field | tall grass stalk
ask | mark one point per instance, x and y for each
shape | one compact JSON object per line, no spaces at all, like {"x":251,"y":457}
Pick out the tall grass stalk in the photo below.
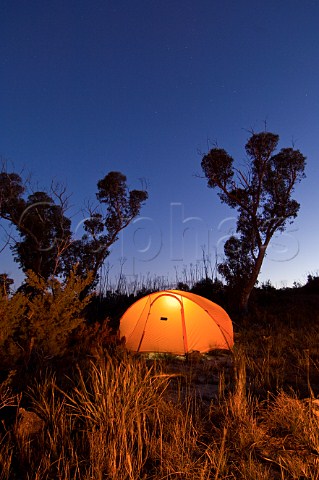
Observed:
{"x":125,"y":418}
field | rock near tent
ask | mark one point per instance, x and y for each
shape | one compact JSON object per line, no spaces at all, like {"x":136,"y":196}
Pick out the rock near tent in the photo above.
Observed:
{"x":178,"y":322}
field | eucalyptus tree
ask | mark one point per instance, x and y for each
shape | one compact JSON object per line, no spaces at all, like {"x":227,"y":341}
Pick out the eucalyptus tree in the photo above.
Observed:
{"x":42,"y":230}
{"x":117,"y":208}
{"x":43,"y":240}
{"x":262,"y":195}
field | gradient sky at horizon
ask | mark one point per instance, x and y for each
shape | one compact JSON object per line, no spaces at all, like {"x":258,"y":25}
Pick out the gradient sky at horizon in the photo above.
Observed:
{"x":143,"y":87}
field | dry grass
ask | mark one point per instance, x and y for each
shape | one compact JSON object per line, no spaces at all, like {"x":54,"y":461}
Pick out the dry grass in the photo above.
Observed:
{"x":127,"y":418}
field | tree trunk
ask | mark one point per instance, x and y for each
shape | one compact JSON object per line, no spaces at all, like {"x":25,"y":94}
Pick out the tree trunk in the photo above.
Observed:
{"x":251,"y":282}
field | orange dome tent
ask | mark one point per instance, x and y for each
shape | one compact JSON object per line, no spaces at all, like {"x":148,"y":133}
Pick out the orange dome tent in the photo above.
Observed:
{"x":175,"y":321}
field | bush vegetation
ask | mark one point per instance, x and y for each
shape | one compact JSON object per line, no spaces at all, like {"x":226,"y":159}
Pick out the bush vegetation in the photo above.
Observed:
{"x":75,"y":405}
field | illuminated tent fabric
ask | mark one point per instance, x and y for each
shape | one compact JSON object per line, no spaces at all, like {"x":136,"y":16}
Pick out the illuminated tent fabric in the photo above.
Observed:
{"x":175,"y":321}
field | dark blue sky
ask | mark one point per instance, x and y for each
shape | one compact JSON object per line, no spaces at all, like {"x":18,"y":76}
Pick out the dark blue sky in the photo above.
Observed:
{"x":142,"y":86}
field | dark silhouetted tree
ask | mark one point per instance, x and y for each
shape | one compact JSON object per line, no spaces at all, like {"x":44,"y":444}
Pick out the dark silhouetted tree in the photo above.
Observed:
{"x":46,"y":244}
{"x":312,"y":285}
{"x":118,"y":207}
{"x":44,"y":230}
{"x":45,"y":233}
{"x":262,"y":196}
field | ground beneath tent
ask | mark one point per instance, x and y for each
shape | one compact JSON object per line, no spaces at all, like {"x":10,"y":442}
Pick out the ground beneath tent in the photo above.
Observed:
{"x":205,"y":376}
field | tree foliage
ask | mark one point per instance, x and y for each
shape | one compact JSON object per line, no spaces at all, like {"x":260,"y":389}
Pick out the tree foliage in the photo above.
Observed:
{"x":118,"y":207}
{"x":262,"y":196}
{"x":44,"y":231}
{"x":45,"y":243}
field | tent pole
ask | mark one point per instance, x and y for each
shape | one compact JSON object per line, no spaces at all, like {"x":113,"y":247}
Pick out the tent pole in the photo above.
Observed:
{"x":148,"y":314}
{"x":184,"y":328}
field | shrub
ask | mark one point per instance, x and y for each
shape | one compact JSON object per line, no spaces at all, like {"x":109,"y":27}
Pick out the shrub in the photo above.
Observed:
{"x":42,"y":318}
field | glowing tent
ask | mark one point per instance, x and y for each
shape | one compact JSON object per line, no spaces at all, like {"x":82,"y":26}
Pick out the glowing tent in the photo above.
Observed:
{"x":175,"y":321}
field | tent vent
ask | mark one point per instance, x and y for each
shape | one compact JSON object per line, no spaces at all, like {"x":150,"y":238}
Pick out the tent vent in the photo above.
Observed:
{"x":164,"y":318}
